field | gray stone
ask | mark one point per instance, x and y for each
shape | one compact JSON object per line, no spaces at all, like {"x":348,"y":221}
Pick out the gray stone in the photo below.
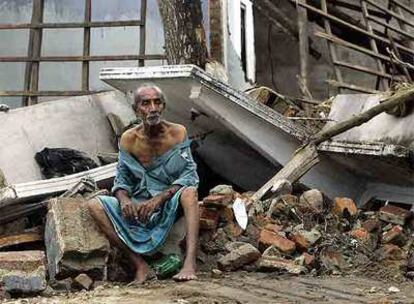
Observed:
{"x":269,"y":263}
{"x":74,"y":243}
{"x":17,"y":281}
{"x":82,"y":281}
{"x":241,"y":255}
{"x":313,"y":198}
{"x":222,"y":189}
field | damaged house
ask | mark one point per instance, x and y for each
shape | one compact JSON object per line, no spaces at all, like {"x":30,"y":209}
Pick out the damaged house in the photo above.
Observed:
{"x":255,"y":82}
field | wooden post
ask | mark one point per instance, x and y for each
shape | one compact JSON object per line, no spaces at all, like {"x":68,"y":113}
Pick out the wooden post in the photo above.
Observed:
{"x":142,"y":28}
{"x":303,"y":49}
{"x":31,"y":76}
{"x":86,"y":46}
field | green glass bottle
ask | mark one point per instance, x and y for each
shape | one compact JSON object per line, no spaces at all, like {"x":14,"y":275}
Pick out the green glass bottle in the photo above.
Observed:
{"x":167,"y":266}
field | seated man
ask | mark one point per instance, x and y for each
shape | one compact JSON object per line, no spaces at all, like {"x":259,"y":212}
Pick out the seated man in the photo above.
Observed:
{"x":156,"y":176}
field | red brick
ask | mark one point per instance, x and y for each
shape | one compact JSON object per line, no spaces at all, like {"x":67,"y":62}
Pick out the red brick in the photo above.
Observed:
{"x":372,"y":225}
{"x":394,"y":236}
{"x":300,"y":241}
{"x":342,"y":203}
{"x":394,"y":214}
{"x":268,"y":238}
{"x":208,"y":218}
{"x":360,"y":234}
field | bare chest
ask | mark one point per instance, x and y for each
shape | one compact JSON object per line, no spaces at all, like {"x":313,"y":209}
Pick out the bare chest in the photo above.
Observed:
{"x":146,"y":152}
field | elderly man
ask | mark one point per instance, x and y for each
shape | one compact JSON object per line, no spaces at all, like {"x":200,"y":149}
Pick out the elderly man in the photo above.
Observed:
{"x":156,"y":179}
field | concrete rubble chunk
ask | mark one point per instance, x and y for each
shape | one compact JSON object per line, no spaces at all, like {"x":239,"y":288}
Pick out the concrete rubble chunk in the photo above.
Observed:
{"x":393,"y":214}
{"x":313,"y":198}
{"x":241,"y":254}
{"x":23,"y":271}
{"x":74,"y":243}
{"x":209,"y":218}
{"x":222,"y":190}
{"x":269,"y":263}
{"x":82,"y":281}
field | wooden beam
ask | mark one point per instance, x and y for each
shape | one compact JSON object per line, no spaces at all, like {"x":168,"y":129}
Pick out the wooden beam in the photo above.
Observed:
{"x":352,"y":87}
{"x":49,"y":93}
{"x":393,"y":28}
{"x":142,"y":35}
{"x":403,"y":6}
{"x":20,"y":239}
{"x":391,"y":13}
{"x":86,"y":46}
{"x":361,"y":69}
{"x":63,"y":25}
{"x":83,"y":58}
{"x":36,"y":48}
{"x":303,"y":49}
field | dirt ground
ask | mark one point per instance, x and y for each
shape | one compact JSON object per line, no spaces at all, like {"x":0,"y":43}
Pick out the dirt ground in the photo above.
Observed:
{"x":242,"y":287}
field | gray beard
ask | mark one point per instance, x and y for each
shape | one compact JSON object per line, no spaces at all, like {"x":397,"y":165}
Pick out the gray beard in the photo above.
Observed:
{"x":153,"y":120}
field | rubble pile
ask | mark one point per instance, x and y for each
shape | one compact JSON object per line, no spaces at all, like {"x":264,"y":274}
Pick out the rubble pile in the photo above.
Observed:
{"x":307,"y":233}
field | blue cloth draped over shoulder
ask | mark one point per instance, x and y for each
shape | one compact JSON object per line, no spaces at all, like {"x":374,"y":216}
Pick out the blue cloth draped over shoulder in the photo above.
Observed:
{"x":175,"y":167}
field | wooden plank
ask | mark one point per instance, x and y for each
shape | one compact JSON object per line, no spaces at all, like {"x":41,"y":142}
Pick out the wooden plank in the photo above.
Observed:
{"x":36,"y":49}
{"x":63,"y":25}
{"x":362,"y":69}
{"x":299,"y":164}
{"x":84,"y":58}
{"x":332,"y":48}
{"x":352,"y":87}
{"x":86,"y":46}
{"x":142,"y":31}
{"x":49,"y":93}
{"x":20,"y":239}
{"x":373,"y":44}
{"x":403,"y":27}
{"x":350,"y":26}
{"x":389,"y":26}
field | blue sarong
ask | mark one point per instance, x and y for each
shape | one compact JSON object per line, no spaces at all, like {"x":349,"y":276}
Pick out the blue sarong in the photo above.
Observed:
{"x":175,"y":167}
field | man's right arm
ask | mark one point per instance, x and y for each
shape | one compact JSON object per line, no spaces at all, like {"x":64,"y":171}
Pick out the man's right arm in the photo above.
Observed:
{"x":125,"y":202}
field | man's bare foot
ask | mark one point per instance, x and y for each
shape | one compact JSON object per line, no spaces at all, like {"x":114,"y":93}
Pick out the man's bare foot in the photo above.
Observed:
{"x":185,"y":274}
{"x":143,"y":273}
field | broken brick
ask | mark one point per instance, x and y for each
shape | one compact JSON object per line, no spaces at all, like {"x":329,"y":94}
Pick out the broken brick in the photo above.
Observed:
{"x":341,"y":204}
{"x":240,"y":255}
{"x":332,"y":259}
{"x":208,"y":218}
{"x":360,"y":234}
{"x":394,"y":236}
{"x":393,"y":214}
{"x":372,"y":225}
{"x":233,"y":230}
{"x":23,"y":271}
{"x":273,"y":227}
{"x":391,"y":252}
{"x":300,"y":241}
{"x":268,"y":238}
{"x":309,"y":260}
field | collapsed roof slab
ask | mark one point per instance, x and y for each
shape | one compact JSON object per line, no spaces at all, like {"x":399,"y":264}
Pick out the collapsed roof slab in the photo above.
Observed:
{"x":238,"y":125}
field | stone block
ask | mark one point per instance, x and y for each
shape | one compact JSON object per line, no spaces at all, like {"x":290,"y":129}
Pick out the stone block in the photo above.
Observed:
{"x":278,"y":264}
{"x":82,"y":281}
{"x":74,"y":243}
{"x":268,"y":238}
{"x":393,"y":214}
{"x":23,"y":271}
{"x":394,"y":236}
{"x":208,"y":218}
{"x":241,"y":254}
{"x":312,"y":198}
{"x":341,"y":204}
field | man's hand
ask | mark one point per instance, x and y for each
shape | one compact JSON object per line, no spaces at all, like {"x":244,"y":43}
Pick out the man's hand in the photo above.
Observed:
{"x":144,"y":210}
{"x":128,"y":209}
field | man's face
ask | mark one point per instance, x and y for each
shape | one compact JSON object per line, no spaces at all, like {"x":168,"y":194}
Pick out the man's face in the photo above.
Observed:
{"x":150,"y":107}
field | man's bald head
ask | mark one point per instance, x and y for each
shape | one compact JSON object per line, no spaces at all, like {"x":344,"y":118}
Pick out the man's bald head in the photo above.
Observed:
{"x":141,"y":89}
